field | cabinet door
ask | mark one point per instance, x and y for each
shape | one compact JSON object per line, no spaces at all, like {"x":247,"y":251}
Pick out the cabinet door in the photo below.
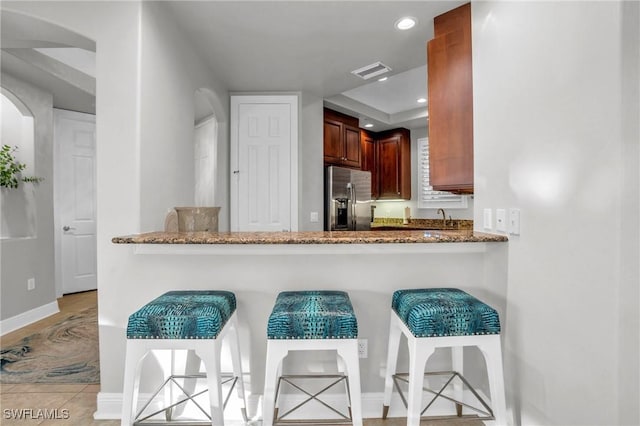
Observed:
{"x":333,"y":147}
{"x":389,"y":167}
{"x":451,"y":103}
{"x":351,"y":146}
{"x":394,"y":164}
{"x":368,"y":152}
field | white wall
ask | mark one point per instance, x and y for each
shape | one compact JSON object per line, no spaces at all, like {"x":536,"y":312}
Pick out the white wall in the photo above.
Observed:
{"x":27,"y":214}
{"x":629,"y":294}
{"x":115,"y":26}
{"x":551,"y":83}
{"x":171,"y":72}
{"x":311,"y":163}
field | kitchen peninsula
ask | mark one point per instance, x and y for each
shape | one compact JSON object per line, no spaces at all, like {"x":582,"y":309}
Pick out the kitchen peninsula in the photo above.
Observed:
{"x":369,"y":265}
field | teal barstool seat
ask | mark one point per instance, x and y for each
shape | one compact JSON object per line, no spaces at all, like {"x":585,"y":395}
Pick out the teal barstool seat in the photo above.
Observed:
{"x":433,"y":318}
{"x":312,"y":315}
{"x":312,"y":320}
{"x":435,"y":312}
{"x":195,"y":320}
{"x":183,"y":315}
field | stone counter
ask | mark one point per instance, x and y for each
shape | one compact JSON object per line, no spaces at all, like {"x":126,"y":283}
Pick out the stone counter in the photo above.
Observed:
{"x":336,"y":237}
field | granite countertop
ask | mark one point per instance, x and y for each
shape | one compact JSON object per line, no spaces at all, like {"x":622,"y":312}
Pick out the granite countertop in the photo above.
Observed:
{"x":421,"y":224}
{"x":336,"y":237}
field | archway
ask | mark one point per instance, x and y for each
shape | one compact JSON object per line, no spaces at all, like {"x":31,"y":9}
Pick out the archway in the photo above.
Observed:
{"x":17,"y":131}
{"x":205,"y":146}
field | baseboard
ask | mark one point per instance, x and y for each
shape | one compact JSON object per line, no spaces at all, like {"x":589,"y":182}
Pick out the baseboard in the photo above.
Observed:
{"x":110,"y":406}
{"x":21,"y":320}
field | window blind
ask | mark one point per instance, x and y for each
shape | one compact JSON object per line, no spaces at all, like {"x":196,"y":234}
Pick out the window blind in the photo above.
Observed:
{"x":427,"y":197}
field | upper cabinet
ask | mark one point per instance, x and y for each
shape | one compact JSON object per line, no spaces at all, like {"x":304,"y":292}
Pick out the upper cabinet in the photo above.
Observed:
{"x":449,"y":74}
{"x":370,"y":159}
{"x":394,"y":164}
{"x":341,"y":140}
{"x":387,"y":155}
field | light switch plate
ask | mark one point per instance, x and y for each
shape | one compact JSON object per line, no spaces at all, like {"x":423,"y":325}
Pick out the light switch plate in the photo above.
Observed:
{"x":501,"y":220}
{"x":488,"y":219}
{"x":514,"y":221}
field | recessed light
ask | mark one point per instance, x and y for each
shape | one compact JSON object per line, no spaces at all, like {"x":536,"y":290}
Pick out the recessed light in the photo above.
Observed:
{"x":383,"y":79}
{"x":421,"y":100}
{"x":406,"y":23}
{"x":368,"y":125}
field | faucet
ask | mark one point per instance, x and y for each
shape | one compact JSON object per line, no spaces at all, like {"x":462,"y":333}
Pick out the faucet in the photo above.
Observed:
{"x":444,"y":218}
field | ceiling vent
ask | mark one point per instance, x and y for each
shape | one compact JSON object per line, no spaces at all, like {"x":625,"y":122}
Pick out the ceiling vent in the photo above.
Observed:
{"x":371,"y":70}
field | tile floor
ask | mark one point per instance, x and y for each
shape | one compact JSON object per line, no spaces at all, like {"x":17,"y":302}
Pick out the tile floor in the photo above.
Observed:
{"x":80,"y":399}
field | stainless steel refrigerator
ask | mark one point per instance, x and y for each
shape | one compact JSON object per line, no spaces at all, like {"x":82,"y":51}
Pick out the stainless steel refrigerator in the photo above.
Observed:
{"x":347,"y":199}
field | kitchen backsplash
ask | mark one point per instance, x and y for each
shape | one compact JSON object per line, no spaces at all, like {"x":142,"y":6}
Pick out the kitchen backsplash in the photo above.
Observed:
{"x":426,"y":223}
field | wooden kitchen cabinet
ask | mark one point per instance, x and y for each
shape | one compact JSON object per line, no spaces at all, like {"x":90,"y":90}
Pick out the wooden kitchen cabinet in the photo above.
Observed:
{"x":341,"y":140}
{"x":369,"y":159}
{"x":387,"y":155}
{"x":394,"y":164}
{"x":449,"y":73}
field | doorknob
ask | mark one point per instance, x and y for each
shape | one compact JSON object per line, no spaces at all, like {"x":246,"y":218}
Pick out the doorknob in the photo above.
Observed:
{"x":67,"y":228}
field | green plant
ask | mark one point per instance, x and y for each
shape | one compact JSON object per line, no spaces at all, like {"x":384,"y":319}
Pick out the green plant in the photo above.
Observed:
{"x":10,"y":169}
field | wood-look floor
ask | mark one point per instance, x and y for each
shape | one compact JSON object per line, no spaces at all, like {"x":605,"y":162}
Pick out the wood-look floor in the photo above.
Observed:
{"x":79,"y":399}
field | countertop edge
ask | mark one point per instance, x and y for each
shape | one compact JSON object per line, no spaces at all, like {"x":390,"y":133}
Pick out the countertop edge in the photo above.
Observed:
{"x":309,"y":238}
{"x":306,"y":249}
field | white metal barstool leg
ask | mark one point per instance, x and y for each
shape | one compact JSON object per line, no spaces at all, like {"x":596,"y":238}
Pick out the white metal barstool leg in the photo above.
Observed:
{"x":342,"y":369}
{"x":136,"y":353}
{"x":392,"y":360}
{"x":211,"y":359}
{"x":276,"y":352}
{"x":349,"y":354}
{"x":457,"y":364}
{"x":236,"y":361}
{"x":491,"y":349}
{"x":419,"y":353}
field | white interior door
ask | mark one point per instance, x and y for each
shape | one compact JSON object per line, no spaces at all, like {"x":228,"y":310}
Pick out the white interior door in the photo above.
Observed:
{"x":75,"y":140}
{"x":264,"y":174}
{"x":205,"y":141}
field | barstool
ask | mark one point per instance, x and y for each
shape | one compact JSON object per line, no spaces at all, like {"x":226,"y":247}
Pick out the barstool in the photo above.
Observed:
{"x":437,"y":318}
{"x":192,"y":320}
{"x":312,"y":321}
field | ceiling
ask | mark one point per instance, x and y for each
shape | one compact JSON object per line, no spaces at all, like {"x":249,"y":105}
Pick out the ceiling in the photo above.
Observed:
{"x":306,"y":46}
{"x":312,"y":46}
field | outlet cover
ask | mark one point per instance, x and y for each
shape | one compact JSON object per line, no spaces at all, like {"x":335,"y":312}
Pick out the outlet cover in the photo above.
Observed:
{"x":514,"y":221}
{"x":501,"y":220}
{"x":313,"y":217}
{"x":363,"y":350}
{"x":488,"y":219}
{"x":31,"y":284}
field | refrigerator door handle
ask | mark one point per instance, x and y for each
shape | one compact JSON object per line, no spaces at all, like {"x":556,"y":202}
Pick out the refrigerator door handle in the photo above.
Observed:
{"x":354,"y":197}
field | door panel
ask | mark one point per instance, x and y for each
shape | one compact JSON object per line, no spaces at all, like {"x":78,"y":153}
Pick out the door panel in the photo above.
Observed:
{"x":352,"y":146}
{"x":333,"y":149}
{"x":389,"y":168}
{"x":264,"y":179}
{"x":75,"y":201}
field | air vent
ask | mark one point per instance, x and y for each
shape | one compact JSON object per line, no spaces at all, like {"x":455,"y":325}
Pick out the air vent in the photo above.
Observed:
{"x":371,"y":70}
